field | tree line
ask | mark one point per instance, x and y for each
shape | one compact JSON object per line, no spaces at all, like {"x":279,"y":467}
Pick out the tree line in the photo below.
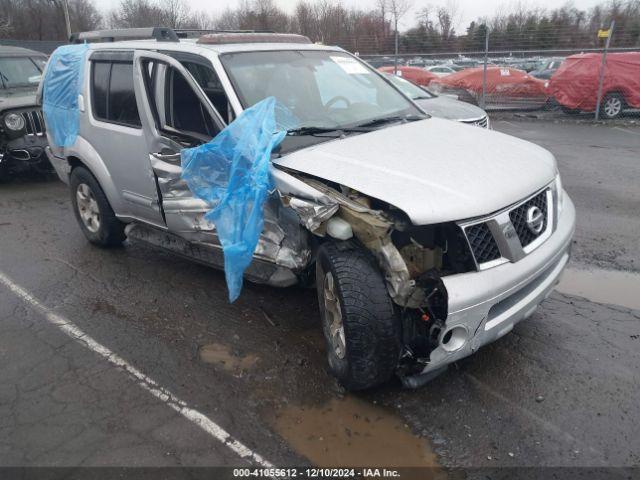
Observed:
{"x":368,"y":31}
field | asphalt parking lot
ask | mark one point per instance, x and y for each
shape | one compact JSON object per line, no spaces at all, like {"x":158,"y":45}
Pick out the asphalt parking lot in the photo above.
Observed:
{"x":132,"y":357}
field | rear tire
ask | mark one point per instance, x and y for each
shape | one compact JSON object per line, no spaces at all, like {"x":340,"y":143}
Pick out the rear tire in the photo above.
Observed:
{"x":363,"y":346}
{"x":612,"y":105}
{"x":92,"y":210}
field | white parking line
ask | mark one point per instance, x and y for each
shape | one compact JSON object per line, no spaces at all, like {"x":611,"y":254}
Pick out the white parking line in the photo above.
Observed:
{"x":626,"y":130}
{"x":164,"y":395}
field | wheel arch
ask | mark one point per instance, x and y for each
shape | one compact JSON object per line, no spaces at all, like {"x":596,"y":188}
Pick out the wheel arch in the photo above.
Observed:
{"x":619,"y":90}
{"x":82,"y":154}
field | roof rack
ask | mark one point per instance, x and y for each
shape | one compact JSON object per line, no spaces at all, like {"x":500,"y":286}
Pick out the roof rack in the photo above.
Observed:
{"x":165,"y":34}
{"x":161,"y":34}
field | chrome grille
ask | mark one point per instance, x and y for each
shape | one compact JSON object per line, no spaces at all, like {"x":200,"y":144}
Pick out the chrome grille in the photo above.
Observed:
{"x":34,"y":122}
{"x":505,"y":236}
{"x":482,"y":243}
{"x":478,"y":123}
{"x":518,"y":217}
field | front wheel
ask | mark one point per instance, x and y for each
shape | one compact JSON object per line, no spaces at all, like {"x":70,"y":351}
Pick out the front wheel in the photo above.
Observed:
{"x":359,"y":322}
{"x":92,"y":210}
{"x":612,"y":105}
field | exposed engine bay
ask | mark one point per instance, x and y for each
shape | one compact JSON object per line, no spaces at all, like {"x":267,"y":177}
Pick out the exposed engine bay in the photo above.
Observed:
{"x":412,"y":258}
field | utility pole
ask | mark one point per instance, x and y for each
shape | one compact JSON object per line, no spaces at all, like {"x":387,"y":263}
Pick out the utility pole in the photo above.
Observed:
{"x":395,"y":58}
{"x":483,"y":102}
{"x":64,"y":4}
{"x":603,"y":67}
{"x":67,"y":21}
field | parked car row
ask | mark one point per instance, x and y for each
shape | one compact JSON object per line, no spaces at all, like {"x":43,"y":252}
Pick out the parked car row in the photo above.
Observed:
{"x":571,"y":83}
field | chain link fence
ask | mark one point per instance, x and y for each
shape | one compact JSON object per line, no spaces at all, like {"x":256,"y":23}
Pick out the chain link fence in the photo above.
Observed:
{"x":522,"y":70}
{"x":598,"y":79}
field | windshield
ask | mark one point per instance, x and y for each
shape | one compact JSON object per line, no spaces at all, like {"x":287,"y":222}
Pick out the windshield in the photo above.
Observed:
{"x":19,"y":72}
{"x":324,"y":89}
{"x":409,"y":89}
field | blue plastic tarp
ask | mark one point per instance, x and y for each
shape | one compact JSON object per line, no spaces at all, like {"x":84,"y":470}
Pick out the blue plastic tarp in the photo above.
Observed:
{"x":231,"y":173}
{"x":61,"y":87}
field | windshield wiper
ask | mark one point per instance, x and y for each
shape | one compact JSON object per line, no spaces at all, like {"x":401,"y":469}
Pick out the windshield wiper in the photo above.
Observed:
{"x":391,"y":119}
{"x":339,"y":131}
{"x":313,"y":130}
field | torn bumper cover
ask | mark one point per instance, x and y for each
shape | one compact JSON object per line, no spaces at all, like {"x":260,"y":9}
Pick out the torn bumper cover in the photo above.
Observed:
{"x":485,"y":305}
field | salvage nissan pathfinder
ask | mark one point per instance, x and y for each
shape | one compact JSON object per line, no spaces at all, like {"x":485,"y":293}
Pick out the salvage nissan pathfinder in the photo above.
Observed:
{"x":425,"y":238}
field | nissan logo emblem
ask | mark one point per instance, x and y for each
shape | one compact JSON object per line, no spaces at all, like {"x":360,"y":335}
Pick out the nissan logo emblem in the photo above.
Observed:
{"x":535,"y":220}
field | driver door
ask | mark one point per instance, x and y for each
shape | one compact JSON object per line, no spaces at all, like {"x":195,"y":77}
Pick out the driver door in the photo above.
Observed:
{"x":175,"y":113}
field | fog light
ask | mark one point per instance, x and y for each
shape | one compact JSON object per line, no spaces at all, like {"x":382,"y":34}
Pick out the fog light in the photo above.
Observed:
{"x":454,"y":338}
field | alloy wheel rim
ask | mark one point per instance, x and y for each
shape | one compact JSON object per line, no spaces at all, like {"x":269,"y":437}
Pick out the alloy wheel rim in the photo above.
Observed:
{"x":613,"y":106}
{"x":333,"y":315}
{"x":88,"y":208}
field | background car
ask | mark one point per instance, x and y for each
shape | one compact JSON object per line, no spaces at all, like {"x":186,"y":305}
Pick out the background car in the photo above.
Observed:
{"x":441,"y":70}
{"x":506,"y":88}
{"x":417,"y":75}
{"x":22,"y":130}
{"x":441,"y":106}
{"x":575,"y":83}
{"x":547,"y":67}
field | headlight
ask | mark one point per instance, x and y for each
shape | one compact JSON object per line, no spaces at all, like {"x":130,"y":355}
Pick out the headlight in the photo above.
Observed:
{"x":559,"y":192}
{"x":14,"y":122}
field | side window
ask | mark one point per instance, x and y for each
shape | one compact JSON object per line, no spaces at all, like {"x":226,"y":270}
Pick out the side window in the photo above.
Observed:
{"x":210,"y":83}
{"x":113,"y":94}
{"x":178,"y":111}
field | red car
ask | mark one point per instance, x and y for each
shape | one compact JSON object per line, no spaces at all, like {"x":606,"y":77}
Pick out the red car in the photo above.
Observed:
{"x":575,"y":83}
{"x":416,"y":75}
{"x":506,"y":87}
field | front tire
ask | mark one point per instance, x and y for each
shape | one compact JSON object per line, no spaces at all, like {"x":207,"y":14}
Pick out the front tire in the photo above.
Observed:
{"x":92,"y":210}
{"x":360,"y":326}
{"x":612,"y":105}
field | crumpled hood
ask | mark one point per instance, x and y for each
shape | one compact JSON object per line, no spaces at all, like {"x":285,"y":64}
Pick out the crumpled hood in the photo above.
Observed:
{"x":450,"y":108}
{"x":17,"y":98}
{"x":434,"y":170}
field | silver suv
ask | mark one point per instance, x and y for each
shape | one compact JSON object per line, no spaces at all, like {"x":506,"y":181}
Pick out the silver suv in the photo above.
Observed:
{"x":425,"y":238}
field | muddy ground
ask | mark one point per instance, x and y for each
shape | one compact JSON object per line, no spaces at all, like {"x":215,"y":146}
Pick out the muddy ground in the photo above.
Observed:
{"x":561,"y":390}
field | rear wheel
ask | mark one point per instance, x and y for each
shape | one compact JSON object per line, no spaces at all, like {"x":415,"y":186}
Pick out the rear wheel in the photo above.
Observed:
{"x":92,"y":210}
{"x":359,"y":322}
{"x":612,"y":105}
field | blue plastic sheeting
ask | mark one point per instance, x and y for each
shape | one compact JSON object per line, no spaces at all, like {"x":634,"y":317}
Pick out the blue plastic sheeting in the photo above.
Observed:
{"x":62,"y":85}
{"x":231,"y":173}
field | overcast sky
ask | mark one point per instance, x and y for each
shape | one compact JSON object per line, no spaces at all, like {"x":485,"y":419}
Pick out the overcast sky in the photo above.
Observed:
{"x":468,"y":10}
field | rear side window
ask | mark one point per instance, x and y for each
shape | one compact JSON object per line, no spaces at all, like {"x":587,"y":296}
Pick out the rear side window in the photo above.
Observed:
{"x":113,"y":95}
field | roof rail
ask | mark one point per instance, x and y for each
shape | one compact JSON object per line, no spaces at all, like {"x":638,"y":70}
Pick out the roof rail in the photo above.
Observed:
{"x":220,"y":38}
{"x":192,"y":32}
{"x":161,"y":34}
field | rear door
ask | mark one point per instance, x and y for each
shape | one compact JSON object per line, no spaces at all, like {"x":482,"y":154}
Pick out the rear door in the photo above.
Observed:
{"x":175,"y":113}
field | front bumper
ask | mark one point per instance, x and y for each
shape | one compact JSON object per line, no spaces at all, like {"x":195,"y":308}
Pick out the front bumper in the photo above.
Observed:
{"x":485,"y":305}
{"x":23,"y":153}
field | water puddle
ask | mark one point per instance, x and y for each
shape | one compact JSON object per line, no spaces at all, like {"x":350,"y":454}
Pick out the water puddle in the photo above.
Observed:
{"x":352,"y":432}
{"x":603,"y":286}
{"x":222,"y":356}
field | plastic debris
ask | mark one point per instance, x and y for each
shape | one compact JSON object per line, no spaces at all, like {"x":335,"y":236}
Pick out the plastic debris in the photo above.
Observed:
{"x":61,"y":87}
{"x":231,"y":173}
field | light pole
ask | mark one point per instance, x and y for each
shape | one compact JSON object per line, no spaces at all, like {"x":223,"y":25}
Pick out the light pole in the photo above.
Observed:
{"x":65,"y":10}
